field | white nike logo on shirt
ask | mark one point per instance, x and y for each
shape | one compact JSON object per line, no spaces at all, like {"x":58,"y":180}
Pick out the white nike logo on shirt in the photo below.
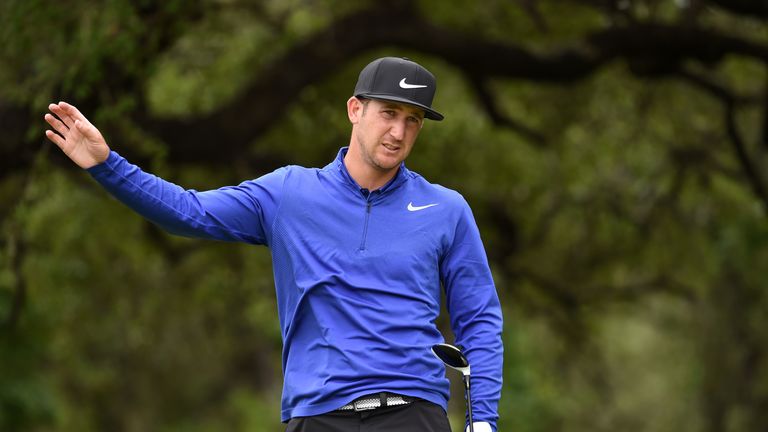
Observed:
{"x":405,"y":85}
{"x":412,"y":207}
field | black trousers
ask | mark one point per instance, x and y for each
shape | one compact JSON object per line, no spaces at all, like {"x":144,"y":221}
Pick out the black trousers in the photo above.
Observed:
{"x":418,"y":416}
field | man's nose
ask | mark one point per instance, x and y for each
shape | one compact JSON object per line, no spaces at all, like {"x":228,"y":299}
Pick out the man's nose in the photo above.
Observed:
{"x":397,"y":130}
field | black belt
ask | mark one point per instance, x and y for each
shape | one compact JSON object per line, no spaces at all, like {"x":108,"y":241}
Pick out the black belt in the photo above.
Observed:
{"x":374,"y":401}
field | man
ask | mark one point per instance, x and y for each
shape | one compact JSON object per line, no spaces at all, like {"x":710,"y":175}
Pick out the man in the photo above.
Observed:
{"x":360,"y":249}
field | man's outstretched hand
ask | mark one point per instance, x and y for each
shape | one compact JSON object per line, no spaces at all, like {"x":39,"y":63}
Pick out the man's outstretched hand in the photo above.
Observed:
{"x":77,"y":137}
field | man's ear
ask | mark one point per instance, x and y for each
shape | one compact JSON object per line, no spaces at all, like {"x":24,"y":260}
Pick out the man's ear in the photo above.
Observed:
{"x":354,"y":109}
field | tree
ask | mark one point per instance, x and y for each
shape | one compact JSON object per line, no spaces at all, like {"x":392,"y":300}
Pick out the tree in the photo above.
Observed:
{"x":611,"y":149}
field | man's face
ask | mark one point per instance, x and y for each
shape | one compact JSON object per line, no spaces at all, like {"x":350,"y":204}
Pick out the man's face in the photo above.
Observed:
{"x":385,"y":131}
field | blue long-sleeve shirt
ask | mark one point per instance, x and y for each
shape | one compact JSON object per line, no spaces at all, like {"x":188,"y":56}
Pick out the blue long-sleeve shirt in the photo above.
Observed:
{"x":357,"y":276}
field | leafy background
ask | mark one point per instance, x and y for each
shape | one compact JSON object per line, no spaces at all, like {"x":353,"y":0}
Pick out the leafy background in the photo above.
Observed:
{"x":613,"y":153}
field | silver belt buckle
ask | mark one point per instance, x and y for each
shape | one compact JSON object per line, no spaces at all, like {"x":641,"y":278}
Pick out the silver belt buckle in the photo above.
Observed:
{"x":365,"y":404}
{"x":372,"y":403}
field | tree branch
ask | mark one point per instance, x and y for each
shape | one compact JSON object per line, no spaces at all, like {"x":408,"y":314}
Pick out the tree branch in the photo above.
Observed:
{"x":755,"y":180}
{"x":225,"y":134}
{"x":754,"y":8}
{"x":764,"y":133}
{"x":649,"y":49}
{"x":488,"y":101}
{"x":571,"y":297}
{"x":730,"y":103}
{"x":716,"y":89}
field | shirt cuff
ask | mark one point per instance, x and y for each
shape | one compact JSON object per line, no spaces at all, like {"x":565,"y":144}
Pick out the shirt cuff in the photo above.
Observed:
{"x":104,"y":166}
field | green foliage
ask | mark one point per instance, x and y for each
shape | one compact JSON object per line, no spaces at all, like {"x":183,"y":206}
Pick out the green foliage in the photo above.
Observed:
{"x":119,"y":322}
{"x":627,"y":246}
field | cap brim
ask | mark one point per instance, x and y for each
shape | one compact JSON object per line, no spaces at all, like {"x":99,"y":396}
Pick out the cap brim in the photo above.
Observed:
{"x":428,"y":112}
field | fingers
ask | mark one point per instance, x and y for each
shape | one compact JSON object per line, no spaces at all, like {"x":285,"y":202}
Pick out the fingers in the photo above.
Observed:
{"x":68,"y":114}
{"x":57,"y":124}
{"x":88,"y":130}
{"x":73,"y":112}
{"x":84,"y":129}
{"x":55,"y":138}
{"x":57,"y":109}
{"x":69,"y":123}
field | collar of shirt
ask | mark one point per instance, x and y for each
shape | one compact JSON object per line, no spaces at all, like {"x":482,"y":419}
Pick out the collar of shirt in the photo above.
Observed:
{"x":341,"y":170}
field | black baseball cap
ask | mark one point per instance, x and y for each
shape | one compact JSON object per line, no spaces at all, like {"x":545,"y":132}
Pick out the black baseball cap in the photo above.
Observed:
{"x":399,"y":80}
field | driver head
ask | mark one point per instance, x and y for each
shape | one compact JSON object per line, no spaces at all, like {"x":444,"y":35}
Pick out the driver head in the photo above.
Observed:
{"x":452,"y":357}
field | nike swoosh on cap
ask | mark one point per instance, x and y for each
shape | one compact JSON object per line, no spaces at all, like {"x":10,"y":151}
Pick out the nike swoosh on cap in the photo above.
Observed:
{"x":405,"y":85}
{"x":412,"y":207}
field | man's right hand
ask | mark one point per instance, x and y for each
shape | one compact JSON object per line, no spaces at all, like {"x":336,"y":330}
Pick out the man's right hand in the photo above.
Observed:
{"x":77,"y":137}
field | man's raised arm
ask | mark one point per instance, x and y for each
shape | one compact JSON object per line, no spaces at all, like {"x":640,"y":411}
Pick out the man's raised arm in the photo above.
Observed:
{"x":237,"y":213}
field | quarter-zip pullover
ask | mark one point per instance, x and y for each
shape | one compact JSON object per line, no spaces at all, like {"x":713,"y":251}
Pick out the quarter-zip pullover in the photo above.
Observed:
{"x":358,"y":276}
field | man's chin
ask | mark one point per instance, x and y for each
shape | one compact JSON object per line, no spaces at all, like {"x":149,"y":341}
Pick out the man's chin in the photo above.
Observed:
{"x":388,"y":164}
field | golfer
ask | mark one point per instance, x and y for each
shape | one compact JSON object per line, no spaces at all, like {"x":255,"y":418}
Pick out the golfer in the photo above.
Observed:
{"x":361,"y":250}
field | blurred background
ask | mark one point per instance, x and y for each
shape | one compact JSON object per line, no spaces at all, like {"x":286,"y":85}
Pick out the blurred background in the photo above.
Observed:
{"x":614,"y":154}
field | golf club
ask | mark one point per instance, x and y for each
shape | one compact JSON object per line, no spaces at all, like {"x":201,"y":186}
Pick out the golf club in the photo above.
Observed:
{"x":455,"y":359}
